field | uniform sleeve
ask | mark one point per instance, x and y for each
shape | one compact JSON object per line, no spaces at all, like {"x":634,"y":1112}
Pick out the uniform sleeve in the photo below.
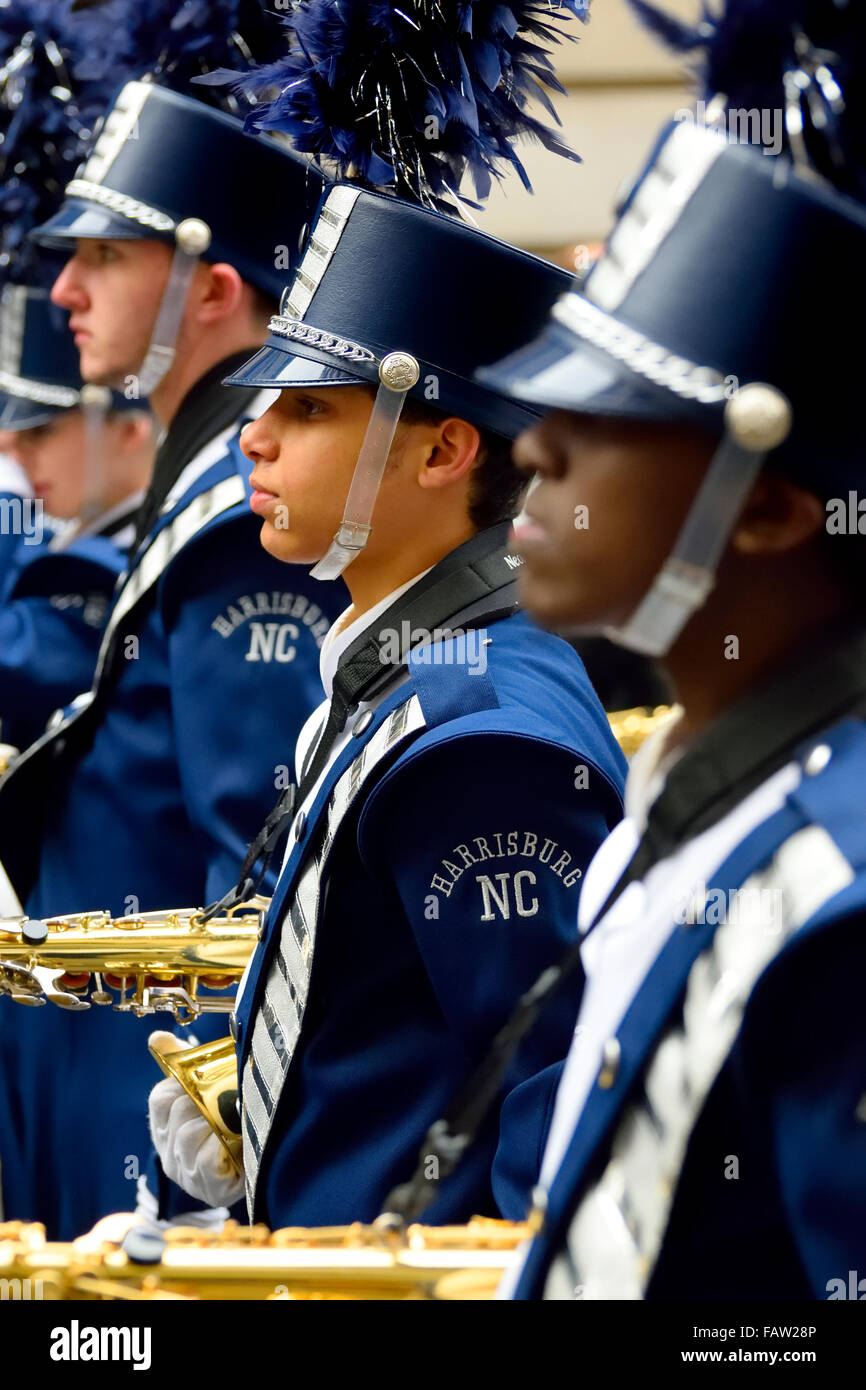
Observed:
{"x":805,"y":1069}
{"x":48,"y":651}
{"x":486,"y":839}
{"x":243,"y":634}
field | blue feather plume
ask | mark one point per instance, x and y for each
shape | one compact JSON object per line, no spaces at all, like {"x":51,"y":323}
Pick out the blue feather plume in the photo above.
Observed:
{"x":44,"y":127}
{"x":412,"y":96}
{"x":61,"y":65}
{"x":803,"y":58}
{"x":177,"y":41}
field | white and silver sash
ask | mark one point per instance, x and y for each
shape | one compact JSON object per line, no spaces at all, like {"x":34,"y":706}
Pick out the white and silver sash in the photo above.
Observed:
{"x":278,"y":1022}
{"x":617,"y":1231}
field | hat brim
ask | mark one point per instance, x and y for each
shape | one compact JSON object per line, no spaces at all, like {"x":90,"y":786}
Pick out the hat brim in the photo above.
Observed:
{"x":558,"y":371}
{"x":283,"y":369}
{"x":280,"y":367}
{"x":17,"y":413}
{"x":79,"y":220}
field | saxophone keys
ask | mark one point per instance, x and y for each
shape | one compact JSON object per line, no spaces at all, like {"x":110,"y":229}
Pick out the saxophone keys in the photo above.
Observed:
{"x":99,"y":994}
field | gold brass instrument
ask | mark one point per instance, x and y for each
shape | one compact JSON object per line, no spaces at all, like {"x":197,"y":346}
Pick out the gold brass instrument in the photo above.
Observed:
{"x":209,"y":1075}
{"x":630,"y":727}
{"x":159,"y":961}
{"x":242,"y":1262}
{"x":155,"y":961}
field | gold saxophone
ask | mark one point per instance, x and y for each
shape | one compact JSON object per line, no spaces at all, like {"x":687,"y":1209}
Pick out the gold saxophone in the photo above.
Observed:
{"x":151,"y":963}
{"x":380,"y":1261}
{"x":160,"y":961}
{"x":631,"y":727}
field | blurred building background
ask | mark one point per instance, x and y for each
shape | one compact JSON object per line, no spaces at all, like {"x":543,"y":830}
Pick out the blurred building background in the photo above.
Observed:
{"x":621,"y":87}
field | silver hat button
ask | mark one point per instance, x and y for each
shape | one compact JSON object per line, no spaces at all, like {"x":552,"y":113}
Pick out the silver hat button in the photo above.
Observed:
{"x":817,"y":759}
{"x":361,"y":723}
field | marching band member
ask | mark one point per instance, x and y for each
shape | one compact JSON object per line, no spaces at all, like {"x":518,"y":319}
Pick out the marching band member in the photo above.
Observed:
{"x":709,"y":1134}
{"x":461,"y":771}
{"x":57,"y":589}
{"x":146,"y":792}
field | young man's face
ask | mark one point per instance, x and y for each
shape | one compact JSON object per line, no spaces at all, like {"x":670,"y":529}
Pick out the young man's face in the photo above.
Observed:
{"x":52,"y":455}
{"x":609,"y":500}
{"x":304,"y":450}
{"x":113,"y":289}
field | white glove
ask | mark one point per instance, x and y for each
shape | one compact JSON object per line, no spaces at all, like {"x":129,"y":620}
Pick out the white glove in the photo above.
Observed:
{"x":190,"y":1152}
{"x":147,"y":1214}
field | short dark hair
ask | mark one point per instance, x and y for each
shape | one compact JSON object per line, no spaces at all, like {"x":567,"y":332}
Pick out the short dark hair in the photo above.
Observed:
{"x":843,"y":555}
{"x":845,"y":558}
{"x":497,"y":486}
{"x":264,"y":304}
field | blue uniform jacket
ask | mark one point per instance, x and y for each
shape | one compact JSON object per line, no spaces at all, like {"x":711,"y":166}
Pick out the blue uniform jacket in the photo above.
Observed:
{"x":52,"y":612}
{"x":789,"y":1100}
{"x":218,"y":669}
{"x":453,"y":881}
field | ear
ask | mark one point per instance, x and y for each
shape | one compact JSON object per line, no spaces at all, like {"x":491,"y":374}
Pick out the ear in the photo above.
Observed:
{"x":778,"y":516}
{"x":219,"y":292}
{"x":135,"y":430}
{"x":450,"y":450}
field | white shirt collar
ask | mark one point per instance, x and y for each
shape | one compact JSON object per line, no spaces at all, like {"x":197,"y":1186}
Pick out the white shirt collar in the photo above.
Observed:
{"x":128,"y":506}
{"x":343,"y":634}
{"x":649,"y":768}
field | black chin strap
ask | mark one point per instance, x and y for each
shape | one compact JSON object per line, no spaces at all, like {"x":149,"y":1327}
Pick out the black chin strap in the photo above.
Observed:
{"x":473,"y":585}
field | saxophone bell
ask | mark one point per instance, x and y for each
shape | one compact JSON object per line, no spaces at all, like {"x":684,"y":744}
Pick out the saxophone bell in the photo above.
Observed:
{"x":209,"y":1076}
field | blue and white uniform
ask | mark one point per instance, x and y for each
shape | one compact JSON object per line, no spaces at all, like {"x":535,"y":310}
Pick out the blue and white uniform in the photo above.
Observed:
{"x":146,"y":795}
{"x":433,"y":869}
{"x":709,"y":1134}
{"x":54,"y":602}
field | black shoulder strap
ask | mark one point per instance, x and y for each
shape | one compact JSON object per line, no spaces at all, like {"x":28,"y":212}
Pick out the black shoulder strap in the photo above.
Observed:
{"x":758,"y":735}
{"x":206,"y":410}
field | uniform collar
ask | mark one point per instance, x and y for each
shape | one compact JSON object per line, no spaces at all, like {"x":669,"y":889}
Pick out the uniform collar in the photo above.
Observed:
{"x":205,"y":411}
{"x":649,"y":768}
{"x":112,"y":522}
{"x":821,"y":683}
{"x":344,"y":631}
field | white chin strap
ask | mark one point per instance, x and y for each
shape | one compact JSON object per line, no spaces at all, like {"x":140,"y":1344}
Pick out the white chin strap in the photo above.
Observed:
{"x":398,"y":373}
{"x":758,"y":418}
{"x":95,"y":405}
{"x":192,"y":238}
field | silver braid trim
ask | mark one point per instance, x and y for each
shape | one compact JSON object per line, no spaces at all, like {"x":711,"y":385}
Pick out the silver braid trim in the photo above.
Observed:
{"x":38,"y":391}
{"x":318,"y":338}
{"x":109,"y":198}
{"x":639,"y":353}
